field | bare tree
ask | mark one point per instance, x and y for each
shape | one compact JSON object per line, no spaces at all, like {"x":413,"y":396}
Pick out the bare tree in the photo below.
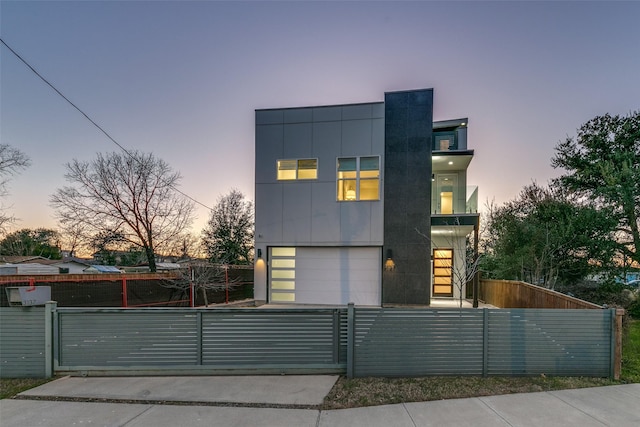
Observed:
{"x":186,"y":246}
{"x":12,"y":162}
{"x":203,"y":277}
{"x":228,"y":237}
{"x":74,"y":238}
{"x":131,"y":195}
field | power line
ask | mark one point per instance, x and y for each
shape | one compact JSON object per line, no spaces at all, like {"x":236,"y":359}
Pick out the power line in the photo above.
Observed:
{"x":89,"y":118}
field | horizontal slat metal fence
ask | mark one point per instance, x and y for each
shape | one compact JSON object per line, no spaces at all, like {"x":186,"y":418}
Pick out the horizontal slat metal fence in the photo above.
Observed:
{"x":357,"y":341}
{"x":182,"y":340}
{"x":418,"y":342}
{"x":22,"y":342}
{"x":263,"y":338}
{"x":547,"y":341}
{"x":123,"y":338}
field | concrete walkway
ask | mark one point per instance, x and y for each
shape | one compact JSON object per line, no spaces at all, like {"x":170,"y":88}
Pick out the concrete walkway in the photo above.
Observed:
{"x":264,"y":401}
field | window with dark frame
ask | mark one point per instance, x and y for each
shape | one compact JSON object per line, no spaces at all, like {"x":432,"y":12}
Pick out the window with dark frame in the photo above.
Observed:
{"x":358,"y":178}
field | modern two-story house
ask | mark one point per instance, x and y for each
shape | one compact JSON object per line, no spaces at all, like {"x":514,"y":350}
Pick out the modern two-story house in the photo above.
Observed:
{"x":364,"y":203}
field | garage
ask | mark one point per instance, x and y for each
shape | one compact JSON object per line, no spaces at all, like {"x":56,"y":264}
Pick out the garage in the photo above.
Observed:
{"x":320,"y":275}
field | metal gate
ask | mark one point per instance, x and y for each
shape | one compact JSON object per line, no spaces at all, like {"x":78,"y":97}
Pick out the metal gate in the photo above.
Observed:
{"x":182,"y":341}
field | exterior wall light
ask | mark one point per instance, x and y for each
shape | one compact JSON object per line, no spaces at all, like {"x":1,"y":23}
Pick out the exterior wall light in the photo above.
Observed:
{"x":259,"y":253}
{"x":389,"y":265}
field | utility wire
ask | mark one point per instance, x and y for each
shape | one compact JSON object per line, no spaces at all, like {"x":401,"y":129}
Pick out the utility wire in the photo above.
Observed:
{"x":89,"y":118}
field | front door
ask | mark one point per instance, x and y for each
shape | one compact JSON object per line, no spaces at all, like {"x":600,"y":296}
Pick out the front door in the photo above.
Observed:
{"x":443,"y":272}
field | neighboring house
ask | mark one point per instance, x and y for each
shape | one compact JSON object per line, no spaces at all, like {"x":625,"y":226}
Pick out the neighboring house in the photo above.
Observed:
{"x":72,"y":266}
{"x":102,"y":269}
{"x":19,"y":259}
{"x":355,"y":203}
{"x":163,"y":266}
{"x":30,"y":268}
{"x":27,"y":265}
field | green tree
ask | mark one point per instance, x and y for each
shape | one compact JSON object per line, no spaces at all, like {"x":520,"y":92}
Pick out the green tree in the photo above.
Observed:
{"x":27,"y":242}
{"x":131,"y":195}
{"x":228,"y":236}
{"x":546,"y":238}
{"x":603,"y":165}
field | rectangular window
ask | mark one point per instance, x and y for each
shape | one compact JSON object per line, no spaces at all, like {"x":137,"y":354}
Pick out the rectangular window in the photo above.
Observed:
{"x":295,"y":169}
{"x":358,"y":178}
{"x":282,"y":275}
{"x":444,"y":141}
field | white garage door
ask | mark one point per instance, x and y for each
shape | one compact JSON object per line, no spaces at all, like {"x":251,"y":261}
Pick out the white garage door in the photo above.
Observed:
{"x":325,"y":275}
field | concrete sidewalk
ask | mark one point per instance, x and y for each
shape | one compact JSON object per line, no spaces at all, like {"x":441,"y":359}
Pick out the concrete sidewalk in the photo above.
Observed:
{"x":262,"y":401}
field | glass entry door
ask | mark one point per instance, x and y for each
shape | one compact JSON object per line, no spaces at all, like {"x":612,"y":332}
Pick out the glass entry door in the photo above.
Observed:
{"x":443,"y":272}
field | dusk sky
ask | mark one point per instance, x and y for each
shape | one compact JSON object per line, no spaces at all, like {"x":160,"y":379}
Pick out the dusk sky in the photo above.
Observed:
{"x":182,"y":80}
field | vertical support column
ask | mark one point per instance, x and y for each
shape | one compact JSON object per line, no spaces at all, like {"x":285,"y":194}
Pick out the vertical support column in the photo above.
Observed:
{"x":351,"y":332}
{"x":407,"y":196}
{"x":485,"y":342}
{"x":476,"y":276}
{"x":49,"y":312}
{"x":125,"y":301}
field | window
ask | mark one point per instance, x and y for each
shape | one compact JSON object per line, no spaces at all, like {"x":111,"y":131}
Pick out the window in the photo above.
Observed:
{"x":444,"y":141}
{"x":358,"y":178}
{"x":295,"y":169}
{"x":283,"y":275}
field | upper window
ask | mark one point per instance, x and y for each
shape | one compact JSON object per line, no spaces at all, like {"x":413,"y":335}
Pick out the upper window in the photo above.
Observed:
{"x":444,"y":141}
{"x":297,"y":169}
{"x":358,"y":178}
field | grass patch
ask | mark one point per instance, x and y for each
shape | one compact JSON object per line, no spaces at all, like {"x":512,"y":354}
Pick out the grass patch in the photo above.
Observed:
{"x":631,"y":353}
{"x":9,"y":387}
{"x":351,"y":393}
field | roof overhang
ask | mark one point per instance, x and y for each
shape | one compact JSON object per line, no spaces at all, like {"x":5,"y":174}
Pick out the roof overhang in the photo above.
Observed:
{"x":444,"y":124}
{"x":443,"y":161}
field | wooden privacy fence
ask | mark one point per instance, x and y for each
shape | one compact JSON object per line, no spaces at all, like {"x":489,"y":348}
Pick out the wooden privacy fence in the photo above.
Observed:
{"x":515,"y":294}
{"x":355,"y":341}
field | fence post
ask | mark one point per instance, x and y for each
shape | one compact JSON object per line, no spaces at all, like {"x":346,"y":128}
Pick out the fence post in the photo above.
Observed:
{"x":49,"y":310}
{"x":226,"y":282}
{"x":125,"y":301}
{"x":485,"y":342}
{"x":192,"y":293}
{"x":618,"y":314}
{"x":336,"y":335}
{"x":199,"y":333}
{"x":350,"y":339}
